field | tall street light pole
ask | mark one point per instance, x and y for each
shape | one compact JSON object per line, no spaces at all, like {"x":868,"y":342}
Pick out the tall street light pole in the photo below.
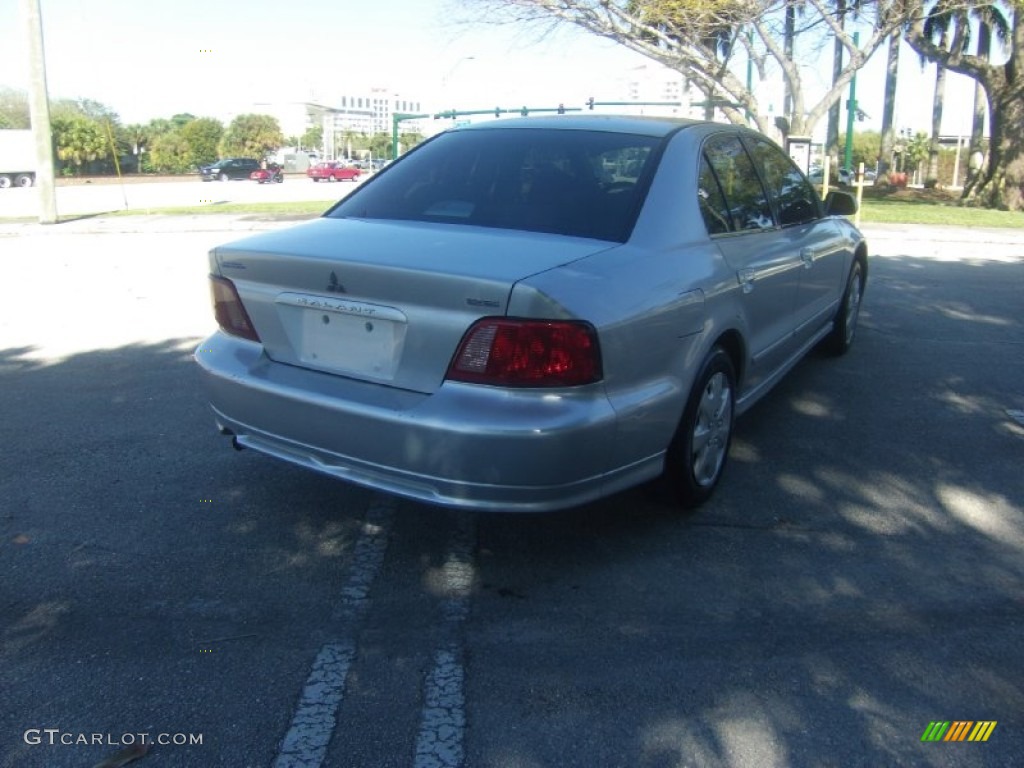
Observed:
{"x":39,"y":112}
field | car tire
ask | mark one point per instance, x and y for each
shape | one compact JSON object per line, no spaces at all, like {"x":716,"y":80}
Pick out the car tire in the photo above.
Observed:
{"x":697,"y":456}
{"x":23,"y":180}
{"x":844,"y":327}
{"x":5,"y":182}
{"x":223,"y":177}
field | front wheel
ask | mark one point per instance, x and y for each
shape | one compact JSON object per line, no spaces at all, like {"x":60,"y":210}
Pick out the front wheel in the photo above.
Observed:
{"x":223,"y":177}
{"x":696,"y":458}
{"x":844,"y":328}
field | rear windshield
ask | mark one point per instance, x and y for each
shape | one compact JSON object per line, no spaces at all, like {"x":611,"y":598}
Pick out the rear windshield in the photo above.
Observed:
{"x":566,"y":182}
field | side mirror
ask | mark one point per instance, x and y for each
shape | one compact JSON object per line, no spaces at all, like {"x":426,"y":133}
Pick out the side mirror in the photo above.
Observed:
{"x":839,"y":203}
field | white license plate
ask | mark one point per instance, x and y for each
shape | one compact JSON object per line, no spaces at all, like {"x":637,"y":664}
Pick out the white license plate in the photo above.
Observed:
{"x":345,"y":336}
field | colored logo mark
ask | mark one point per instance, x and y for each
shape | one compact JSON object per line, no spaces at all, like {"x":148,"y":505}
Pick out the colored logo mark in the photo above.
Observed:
{"x":959,"y":730}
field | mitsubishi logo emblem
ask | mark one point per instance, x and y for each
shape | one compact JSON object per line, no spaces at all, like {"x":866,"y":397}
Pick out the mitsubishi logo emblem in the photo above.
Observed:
{"x":333,"y":286}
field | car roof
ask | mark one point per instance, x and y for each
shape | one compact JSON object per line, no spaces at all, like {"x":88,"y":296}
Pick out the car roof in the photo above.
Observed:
{"x":646,"y":126}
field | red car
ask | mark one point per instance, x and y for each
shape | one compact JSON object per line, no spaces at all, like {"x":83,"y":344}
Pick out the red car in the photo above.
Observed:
{"x":333,"y":172}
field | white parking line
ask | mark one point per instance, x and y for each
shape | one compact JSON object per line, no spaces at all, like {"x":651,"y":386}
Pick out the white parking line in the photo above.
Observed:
{"x":440,"y":742}
{"x":305,"y":744}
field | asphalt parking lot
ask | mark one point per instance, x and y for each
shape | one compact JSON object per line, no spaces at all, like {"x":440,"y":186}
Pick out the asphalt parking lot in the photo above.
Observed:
{"x":858,"y":575}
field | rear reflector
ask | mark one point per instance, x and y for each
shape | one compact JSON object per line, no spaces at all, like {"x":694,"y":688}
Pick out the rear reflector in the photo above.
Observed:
{"x":527,"y":353}
{"x":227,"y":308}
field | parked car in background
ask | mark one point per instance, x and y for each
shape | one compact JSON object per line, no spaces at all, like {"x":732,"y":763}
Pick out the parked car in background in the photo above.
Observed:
{"x":843,"y":177}
{"x":333,"y":171}
{"x":272,"y":174}
{"x":229,"y":168}
{"x":847,"y":177}
{"x":534,"y":313}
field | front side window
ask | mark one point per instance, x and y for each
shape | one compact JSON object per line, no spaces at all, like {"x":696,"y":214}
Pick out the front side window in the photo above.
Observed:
{"x":745,"y":198}
{"x":567,"y":182}
{"x":794,"y":196}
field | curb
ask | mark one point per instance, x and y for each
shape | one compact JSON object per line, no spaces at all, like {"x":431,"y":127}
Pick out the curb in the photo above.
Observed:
{"x":155,"y":224}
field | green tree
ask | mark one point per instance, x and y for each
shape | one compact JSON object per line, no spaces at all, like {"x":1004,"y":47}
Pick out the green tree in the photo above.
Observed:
{"x":182,"y":119}
{"x":170,"y":152}
{"x":865,"y":147}
{"x":409,"y":140}
{"x":88,"y":108}
{"x":917,"y":151}
{"x":135,"y":139}
{"x":158,"y":126}
{"x":79,"y":140}
{"x":13,"y":108}
{"x":203,"y":136}
{"x":313,"y":138}
{"x":380,"y":145}
{"x":251,"y":136}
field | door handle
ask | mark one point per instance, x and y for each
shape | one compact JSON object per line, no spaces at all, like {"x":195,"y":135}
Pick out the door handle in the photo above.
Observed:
{"x":807,"y":257}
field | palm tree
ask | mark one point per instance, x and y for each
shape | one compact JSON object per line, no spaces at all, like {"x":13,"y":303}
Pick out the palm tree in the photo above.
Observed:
{"x":888,"y":143}
{"x":950,"y":22}
{"x":990,"y":20}
{"x":937,"y":25}
{"x":834,"y":112}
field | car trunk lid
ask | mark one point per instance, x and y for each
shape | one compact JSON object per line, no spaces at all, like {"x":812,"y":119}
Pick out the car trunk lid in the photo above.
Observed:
{"x":383,"y":301}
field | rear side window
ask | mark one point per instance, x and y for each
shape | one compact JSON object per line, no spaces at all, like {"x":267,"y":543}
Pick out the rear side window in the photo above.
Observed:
{"x":712,"y":202}
{"x":578,"y":183}
{"x":745,"y":199}
{"x":795,"y":199}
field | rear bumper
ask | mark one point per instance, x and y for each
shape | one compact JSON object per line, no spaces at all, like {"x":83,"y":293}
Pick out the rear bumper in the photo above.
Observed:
{"x":462,"y":446}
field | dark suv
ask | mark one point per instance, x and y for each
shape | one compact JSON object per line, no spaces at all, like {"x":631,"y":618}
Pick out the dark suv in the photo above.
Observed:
{"x":229,"y":168}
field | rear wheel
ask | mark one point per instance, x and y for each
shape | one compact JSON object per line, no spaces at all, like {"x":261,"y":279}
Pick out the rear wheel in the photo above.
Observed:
{"x":23,"y":180}
{"x":839,"y":341}
{"x":5,"y":181}
{"x":697,"y":456}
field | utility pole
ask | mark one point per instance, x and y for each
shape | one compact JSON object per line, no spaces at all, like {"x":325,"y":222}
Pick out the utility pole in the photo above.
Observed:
{"x":39,"y":112}
{"x":851,"y":112}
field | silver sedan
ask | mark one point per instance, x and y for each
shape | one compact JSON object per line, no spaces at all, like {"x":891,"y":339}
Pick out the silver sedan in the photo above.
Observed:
{"x":531,"y":314}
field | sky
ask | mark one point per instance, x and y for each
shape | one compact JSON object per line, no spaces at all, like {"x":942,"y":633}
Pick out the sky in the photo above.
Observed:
{"x":156,"y":58}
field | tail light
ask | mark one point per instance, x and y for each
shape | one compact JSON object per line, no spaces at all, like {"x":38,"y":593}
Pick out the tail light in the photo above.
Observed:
{"x":527,"y":353}
{"x":227,"y":308}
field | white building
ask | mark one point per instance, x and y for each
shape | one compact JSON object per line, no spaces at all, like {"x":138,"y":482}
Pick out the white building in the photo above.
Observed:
{"x":367,"y":113}
{"x":654,"y":83}
{"x":371,"y":111}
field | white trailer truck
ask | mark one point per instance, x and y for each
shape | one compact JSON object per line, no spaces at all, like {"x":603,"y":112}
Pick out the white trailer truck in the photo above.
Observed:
{"x":17,"y":159}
